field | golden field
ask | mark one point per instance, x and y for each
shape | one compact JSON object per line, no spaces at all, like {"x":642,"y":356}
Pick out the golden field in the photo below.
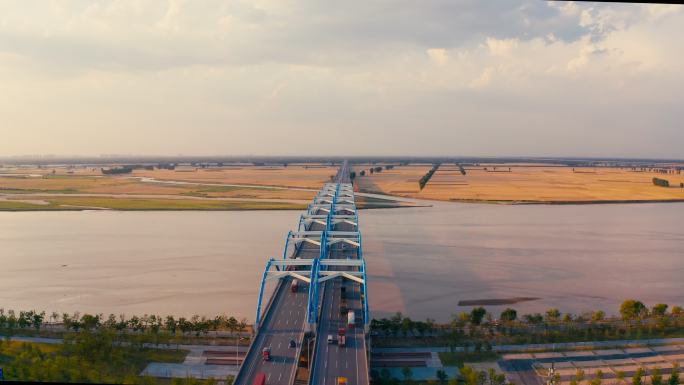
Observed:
{"x":297,"y":176}
{"x":525,"y":183}
{"x":244,"y":187}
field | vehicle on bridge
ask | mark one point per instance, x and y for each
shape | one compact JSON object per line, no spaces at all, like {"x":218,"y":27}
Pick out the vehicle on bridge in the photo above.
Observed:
{"x":260,"y":379}
{"x":295,"y":285}
{"x":342,"y":341}
{"x":351,"y":319}
{"x":266,"y":354}
{"x":341,"y":380}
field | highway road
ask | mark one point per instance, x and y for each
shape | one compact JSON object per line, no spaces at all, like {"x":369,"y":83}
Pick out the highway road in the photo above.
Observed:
{"x":284,"y":320}
{"x":332,"y":361}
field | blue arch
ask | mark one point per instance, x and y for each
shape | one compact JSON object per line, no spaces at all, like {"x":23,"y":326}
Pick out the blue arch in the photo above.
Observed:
{"x":261,"y":292}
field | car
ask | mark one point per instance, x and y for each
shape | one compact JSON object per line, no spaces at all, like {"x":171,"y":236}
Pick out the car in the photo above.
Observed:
{"x":330,"y":339}
{"x":293,"y":344}
{"x":341,"y":380}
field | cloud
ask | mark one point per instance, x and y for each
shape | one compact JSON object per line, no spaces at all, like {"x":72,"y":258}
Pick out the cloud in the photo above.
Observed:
{"x":438,"y":55}
{"x":258,"y":76}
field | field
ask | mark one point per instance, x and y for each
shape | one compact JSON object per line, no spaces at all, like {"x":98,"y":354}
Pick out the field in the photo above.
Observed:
{"x":226,"y":188}
{"x":524,"y":184}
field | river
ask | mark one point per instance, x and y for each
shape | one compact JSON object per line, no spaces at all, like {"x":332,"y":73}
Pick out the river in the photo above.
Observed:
{"x":421,"y":261}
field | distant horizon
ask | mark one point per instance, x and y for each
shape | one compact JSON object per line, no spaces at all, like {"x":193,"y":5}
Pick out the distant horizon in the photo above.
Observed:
{"x":119,"y":157}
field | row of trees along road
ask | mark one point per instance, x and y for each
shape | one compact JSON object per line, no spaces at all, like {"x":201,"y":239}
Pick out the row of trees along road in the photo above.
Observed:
{"x":12,"y":323}
{"x":637,"y":378}
{"x":479,"y":329}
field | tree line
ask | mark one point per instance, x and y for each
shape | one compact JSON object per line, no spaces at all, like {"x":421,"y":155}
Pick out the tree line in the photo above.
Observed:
{"x":11,"y":321}
{"x":426,"y":178}
{"x":479,"y":328}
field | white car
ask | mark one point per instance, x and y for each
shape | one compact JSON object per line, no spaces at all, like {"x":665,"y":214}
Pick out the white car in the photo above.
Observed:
{"x":330,"y":339}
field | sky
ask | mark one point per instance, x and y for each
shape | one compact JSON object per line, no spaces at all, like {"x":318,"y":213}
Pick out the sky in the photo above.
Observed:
{"x":353,"y":77}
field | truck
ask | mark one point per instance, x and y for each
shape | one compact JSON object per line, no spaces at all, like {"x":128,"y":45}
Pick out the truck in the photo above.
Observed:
{"x":266,"y":354}
{"x":351,"y":319}
{"x":259,"y":379}
{"x":342,"y":341}
{"x":295,"y":285}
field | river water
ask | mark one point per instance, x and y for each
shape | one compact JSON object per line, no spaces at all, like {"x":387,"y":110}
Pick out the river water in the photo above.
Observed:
{"x":421,"y":261}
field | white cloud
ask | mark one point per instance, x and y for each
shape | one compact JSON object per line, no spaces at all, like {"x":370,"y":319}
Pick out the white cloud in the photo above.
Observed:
{"x":84,"y":76}
{"x":438,"y":55}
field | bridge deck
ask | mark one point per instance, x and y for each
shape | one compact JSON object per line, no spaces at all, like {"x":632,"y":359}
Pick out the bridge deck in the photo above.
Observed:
{"x":284,"y":319}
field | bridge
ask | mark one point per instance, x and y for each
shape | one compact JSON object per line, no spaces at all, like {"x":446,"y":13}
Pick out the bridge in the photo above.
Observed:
{"x":320,"y":280}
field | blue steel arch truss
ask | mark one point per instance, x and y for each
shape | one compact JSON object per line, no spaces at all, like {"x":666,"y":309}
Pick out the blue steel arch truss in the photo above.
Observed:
{"x":333,"y":205}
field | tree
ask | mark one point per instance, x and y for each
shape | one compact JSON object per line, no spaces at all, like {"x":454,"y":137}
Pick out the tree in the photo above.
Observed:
{"x":477,"y":314}
{"x":598,"y":315}
{"x":496,"y":378}
{"x":674,"y":375}
{"x":407,"y":373}
{"x":552,"y":315}
{"x":637,"y":378}
{"x":659,"y":310}
{"x":38,"y":319}
{"x":620,"y":375}
{"x":579,"y":375}
{"x":469,"y":375}
{"x":676,"y":311}
{"x":656,"y":377}
{"x":533,"y":318}
{"x":442,"y":376}
{"x":509,"y":315}
{"x":596,"y":380}
{"x":385,"y":376}
{"x":632,"y":309}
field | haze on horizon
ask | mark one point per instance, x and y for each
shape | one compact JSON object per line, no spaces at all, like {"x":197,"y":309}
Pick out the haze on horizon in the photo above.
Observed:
{"x":269,"y":77}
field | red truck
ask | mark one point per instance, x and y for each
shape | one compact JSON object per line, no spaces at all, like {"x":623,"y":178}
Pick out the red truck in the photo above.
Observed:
{"x":295,"y":285}
{"x":260,"y":379}
{"x":266,"y":354}
{"x":342,"y":341}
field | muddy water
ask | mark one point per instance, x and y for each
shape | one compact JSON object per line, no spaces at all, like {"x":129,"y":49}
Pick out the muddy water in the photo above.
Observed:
{"x":422,"y":261}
